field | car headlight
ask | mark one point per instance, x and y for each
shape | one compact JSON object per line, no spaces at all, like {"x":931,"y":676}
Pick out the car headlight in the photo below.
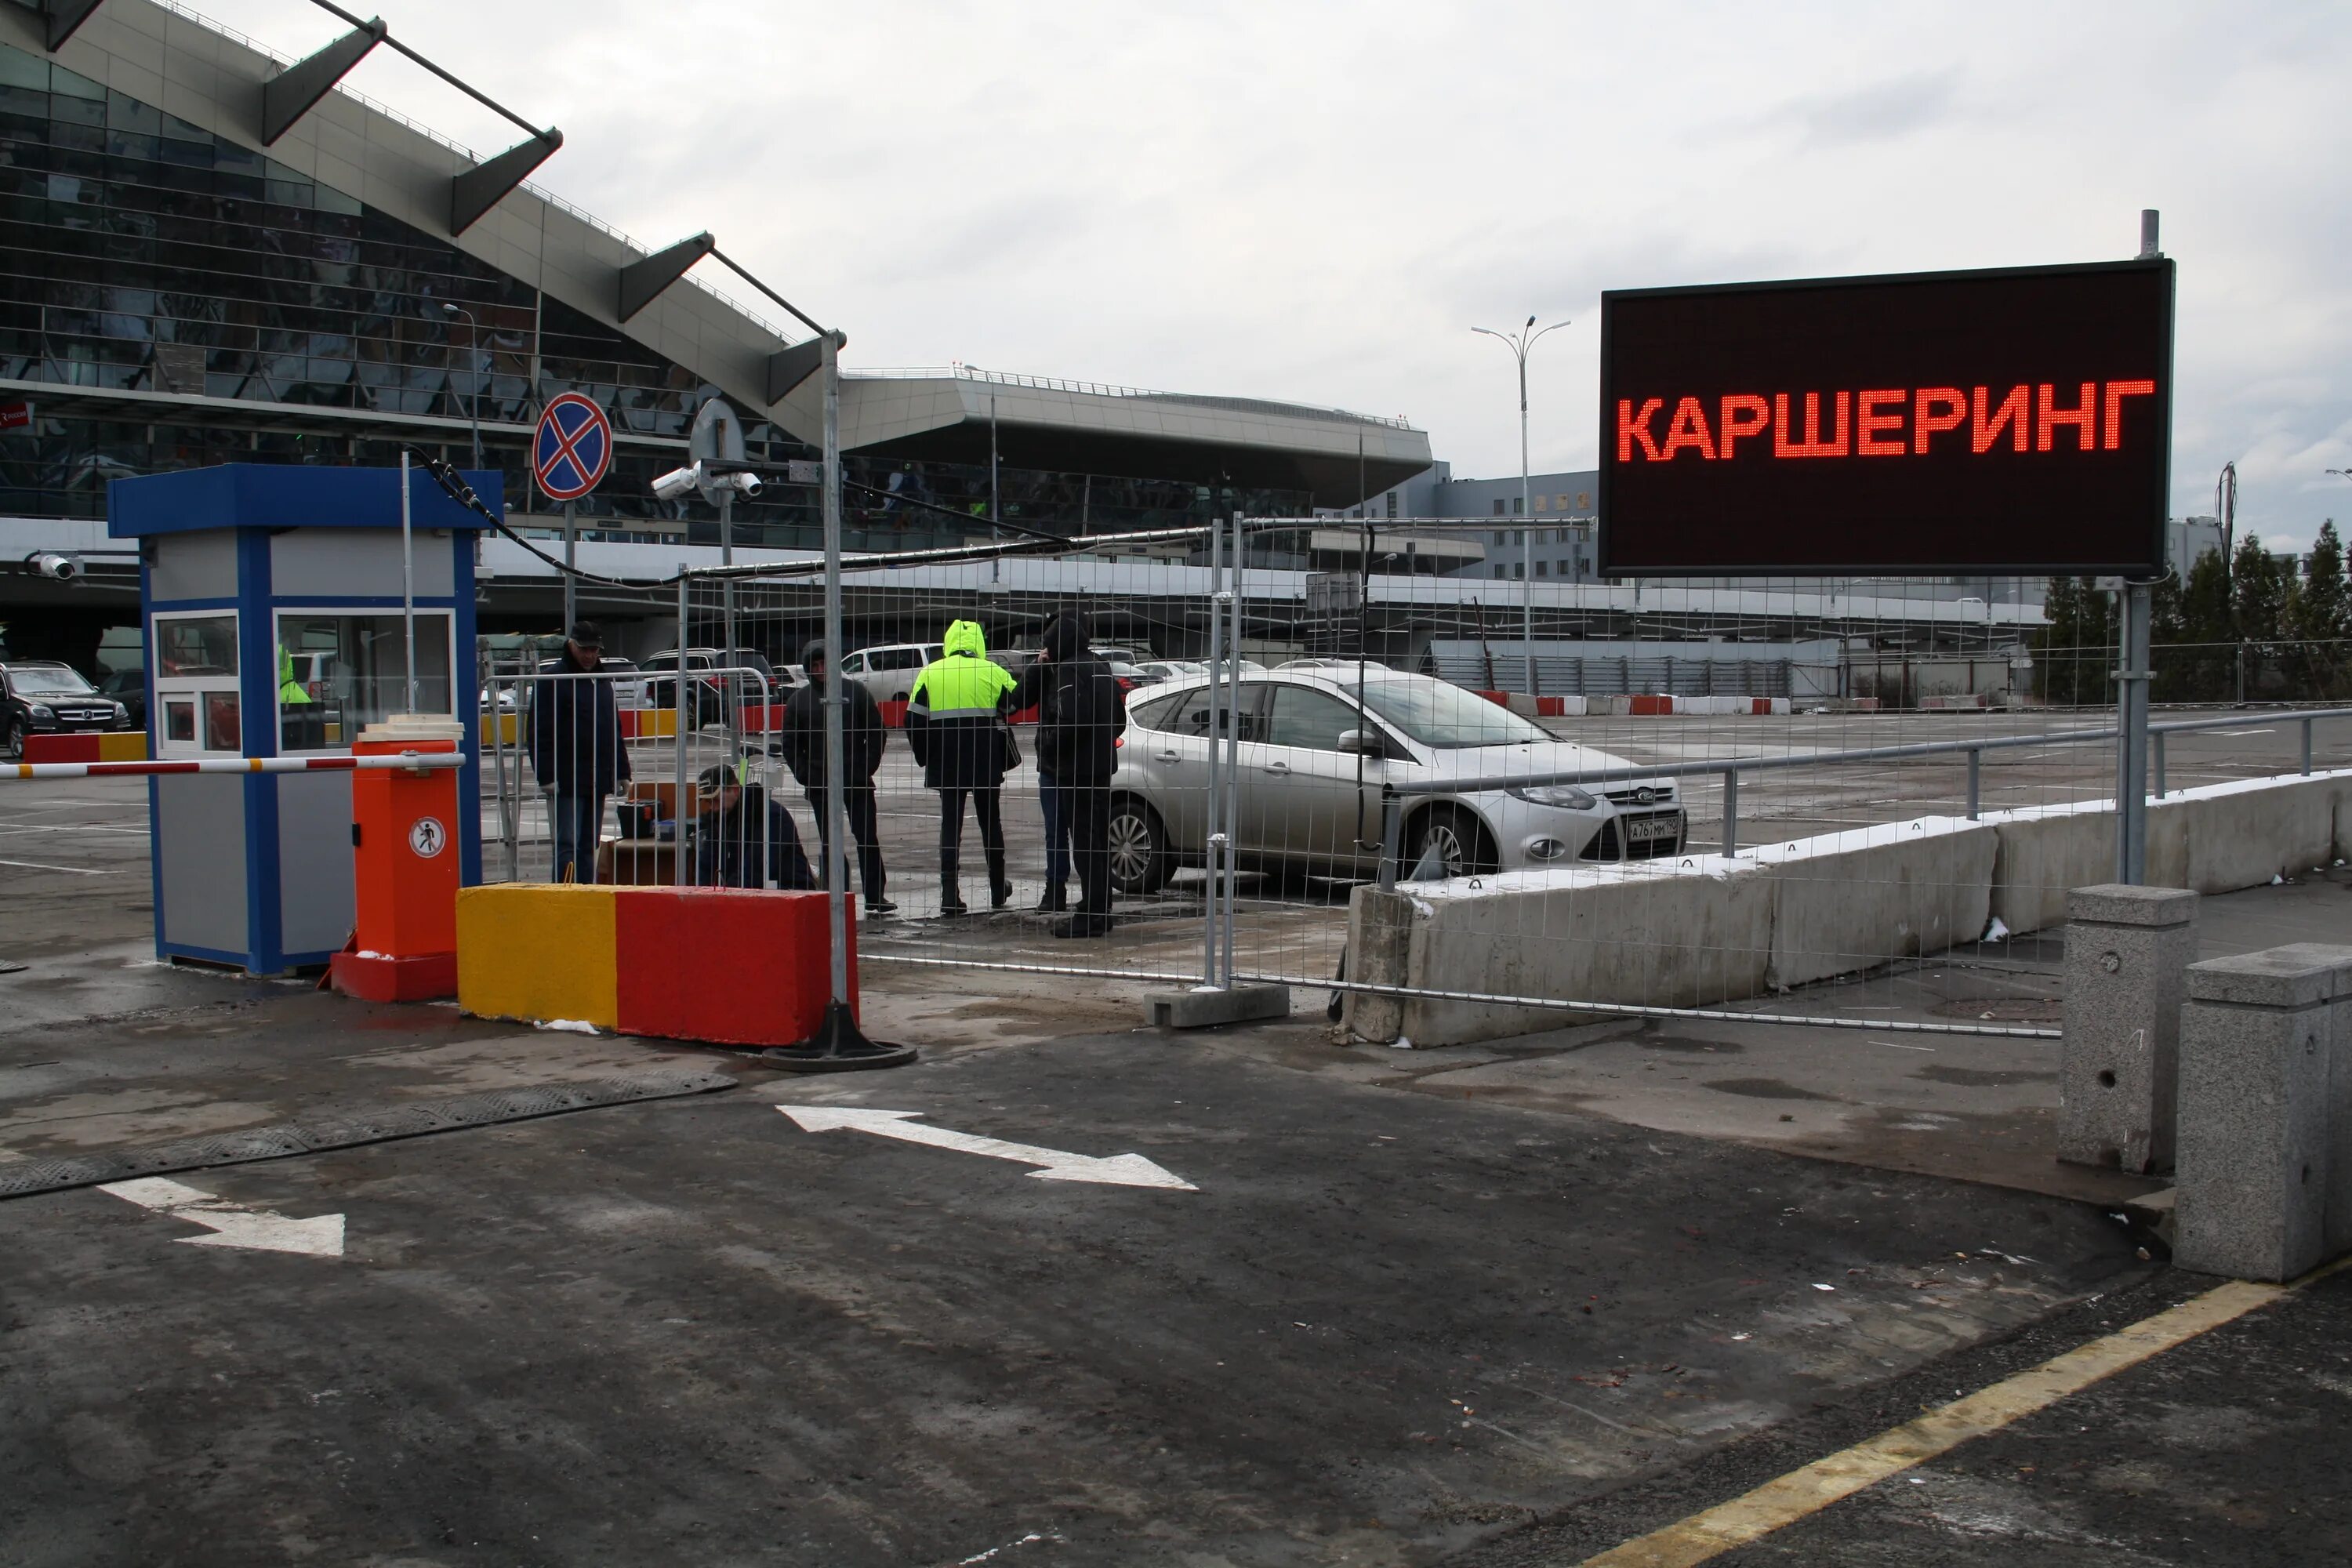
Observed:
{"x":41,"y":710}
{"x":120,"y":713}
{"x":1568,"y":796}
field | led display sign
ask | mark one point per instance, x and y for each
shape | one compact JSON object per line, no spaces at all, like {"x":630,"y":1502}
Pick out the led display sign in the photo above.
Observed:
{"x":2010,"y":421}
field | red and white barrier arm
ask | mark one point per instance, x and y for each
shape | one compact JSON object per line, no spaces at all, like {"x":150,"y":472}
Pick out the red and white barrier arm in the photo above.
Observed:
{"x":412,"y":761}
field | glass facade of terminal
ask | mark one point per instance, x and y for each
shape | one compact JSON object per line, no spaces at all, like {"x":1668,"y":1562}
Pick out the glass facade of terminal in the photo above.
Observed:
{"x":141,"y":253}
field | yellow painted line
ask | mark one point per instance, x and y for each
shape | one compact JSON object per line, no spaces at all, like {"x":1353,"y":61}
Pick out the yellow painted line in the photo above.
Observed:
{"x":1801,"y":1492}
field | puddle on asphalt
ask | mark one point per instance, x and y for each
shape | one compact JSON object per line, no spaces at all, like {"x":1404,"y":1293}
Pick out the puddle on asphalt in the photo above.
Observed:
{"x":1762,"y":1088}
{"x":1978,"y":1077}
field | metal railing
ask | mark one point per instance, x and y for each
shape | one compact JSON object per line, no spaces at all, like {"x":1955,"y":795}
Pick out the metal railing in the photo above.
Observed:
{"x":1394,"y":796}
{"x":721,"y":714}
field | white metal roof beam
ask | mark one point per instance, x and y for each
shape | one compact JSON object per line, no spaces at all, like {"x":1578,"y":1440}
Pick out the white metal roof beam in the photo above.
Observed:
{"x":296,"y":90}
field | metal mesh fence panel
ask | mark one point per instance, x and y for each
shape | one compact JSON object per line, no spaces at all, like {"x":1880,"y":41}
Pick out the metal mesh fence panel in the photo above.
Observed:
{"x":1863,"y":802}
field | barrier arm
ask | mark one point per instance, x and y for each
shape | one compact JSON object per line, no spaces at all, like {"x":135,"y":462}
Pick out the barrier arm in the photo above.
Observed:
{"x":405,"y":762}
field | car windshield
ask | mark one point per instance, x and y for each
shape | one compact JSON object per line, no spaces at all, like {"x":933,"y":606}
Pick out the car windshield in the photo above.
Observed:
{"x":1447,"y":717}
{"x":49,"y":683}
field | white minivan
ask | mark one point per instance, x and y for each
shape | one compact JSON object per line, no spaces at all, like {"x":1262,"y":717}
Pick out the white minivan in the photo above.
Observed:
{"x":888,"y":671}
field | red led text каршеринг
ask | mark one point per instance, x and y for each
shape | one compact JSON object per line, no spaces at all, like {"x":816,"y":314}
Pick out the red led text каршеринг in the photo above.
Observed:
{"x":1881,"y":423}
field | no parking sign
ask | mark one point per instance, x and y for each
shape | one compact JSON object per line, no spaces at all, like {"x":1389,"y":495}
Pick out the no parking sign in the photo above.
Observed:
{"x":573,"y":447}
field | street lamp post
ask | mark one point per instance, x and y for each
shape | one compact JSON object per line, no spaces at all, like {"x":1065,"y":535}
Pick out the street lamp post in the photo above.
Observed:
{"x":1519,"y":343}
{"x":474,"y":349}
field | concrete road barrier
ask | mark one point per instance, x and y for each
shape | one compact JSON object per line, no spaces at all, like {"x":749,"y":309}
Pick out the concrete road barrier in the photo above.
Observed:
{"x":2240,"y":836}
{"x":1845,"y":902}
{"x":2253,"y":1178}
{"x":2043,"y":853}
{"x":2128,"y":950}
{"x":729,"y":965}
{"x":1639,"y":935}
{"x":1669,"y":933}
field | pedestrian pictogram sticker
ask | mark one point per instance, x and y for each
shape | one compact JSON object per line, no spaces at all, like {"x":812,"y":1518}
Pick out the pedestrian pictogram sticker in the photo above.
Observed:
{"x":427,"y":836}
{"x":572,"y":448}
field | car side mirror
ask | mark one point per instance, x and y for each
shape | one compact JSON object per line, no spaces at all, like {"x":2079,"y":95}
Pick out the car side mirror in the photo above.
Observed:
{"x":1361,"y":743}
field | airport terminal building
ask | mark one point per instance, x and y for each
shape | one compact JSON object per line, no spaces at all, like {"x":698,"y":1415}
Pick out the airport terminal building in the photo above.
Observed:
{"x":212,"y":254}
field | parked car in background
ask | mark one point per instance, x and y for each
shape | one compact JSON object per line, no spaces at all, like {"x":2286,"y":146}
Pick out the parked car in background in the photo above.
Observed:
{"x":1159,"y":669}
{"x":128,"y":687}
{"x":514,"y":691}
{"x":1348,"y":665}
{"x":733,"y":659}
{"x":888,"y":671}
{"x":41,"y":696}
{"x":1316,"y":750}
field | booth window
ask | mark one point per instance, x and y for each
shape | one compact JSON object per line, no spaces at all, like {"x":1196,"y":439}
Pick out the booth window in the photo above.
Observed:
{"x":194,"y":647}
{"x":197,"y":708}
{"x":351,"y":670}
{"x":224,"y":730}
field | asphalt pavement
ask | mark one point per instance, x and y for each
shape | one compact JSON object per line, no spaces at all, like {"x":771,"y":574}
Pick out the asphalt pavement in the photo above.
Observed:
{"x":1377,"y":1327}
{"x":1067,"y":1292}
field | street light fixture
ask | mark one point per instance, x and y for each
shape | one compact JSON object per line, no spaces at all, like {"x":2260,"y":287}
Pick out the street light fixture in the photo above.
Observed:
{"x":474,"y":349}
{"x":1519,"y":343}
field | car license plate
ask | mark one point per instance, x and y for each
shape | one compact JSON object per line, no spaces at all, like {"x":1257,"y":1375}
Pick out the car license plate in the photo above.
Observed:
{"x":1644,"y":829}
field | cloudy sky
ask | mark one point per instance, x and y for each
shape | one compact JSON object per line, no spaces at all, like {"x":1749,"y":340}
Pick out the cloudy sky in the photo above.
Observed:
{"x":1319,"y":201}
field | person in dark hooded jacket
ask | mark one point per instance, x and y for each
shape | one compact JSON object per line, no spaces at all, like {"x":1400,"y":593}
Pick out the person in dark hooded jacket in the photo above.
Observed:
{"x":1081,"y":713}
{"x":863,"y":741}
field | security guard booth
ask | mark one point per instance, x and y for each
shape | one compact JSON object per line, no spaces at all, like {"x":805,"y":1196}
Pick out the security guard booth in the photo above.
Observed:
{"x":270,"y":598}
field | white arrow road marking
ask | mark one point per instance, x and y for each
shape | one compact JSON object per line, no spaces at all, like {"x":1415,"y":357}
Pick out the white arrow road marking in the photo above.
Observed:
{"x":1117,"y":1170}
{"x":234,"y":1225}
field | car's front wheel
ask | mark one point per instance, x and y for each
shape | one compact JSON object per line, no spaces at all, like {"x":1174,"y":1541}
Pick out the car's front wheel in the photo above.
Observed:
{"x":15,"y":739}
{"x":1140,"y":862}
{"x":1455,"y":837}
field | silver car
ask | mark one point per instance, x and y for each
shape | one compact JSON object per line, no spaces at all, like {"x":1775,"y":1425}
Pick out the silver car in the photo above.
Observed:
{"x":1313,"y":756}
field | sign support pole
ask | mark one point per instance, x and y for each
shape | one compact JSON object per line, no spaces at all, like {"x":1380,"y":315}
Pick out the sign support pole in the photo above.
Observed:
{"x":2136,"y":603}
{"x":838,"y":1045}
{"x":2131,"y":727}
{"x":571,"y":565}
{"x":407,"y":580}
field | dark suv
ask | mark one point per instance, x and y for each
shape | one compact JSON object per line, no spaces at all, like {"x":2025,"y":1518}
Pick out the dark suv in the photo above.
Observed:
{"x":41,"y":697}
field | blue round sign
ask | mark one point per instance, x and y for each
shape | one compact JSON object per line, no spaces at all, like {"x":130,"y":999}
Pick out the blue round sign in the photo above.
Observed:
{"x":573,"y":447}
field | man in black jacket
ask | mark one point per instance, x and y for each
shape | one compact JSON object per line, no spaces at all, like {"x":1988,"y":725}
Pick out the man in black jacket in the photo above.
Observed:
{"x":1081,"y":712}
{"x":576,"y":751}
{"x":863,"y":739}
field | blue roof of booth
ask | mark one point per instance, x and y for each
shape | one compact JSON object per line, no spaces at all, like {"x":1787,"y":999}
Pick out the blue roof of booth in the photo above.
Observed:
{"x":287,"y":495}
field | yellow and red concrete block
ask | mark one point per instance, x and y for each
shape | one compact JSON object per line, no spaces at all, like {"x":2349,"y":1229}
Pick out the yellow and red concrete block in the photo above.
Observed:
{"x":732,"y":966}
{"x":108,"y":746}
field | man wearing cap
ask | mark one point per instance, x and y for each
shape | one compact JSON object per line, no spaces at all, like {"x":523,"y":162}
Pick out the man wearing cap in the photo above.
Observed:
{"x":863,"y":741}
{"x":576,"y":751}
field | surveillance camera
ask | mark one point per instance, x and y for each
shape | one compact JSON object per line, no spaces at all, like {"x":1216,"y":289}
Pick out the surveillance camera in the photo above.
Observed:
{"x":746,"y":484}
{"x":63,"y":568}
{"x":675,"y":484}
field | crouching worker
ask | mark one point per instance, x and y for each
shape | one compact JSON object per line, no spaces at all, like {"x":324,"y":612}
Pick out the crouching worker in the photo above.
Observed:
{"x":728,"y":835}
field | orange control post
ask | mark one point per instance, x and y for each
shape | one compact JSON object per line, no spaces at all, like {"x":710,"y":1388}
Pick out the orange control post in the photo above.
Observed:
{"x":404,"y":872}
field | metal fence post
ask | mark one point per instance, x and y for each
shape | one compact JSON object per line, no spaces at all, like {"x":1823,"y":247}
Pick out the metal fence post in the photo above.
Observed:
{"x":1233,"y":757}
{"x":2156,"y":739}
{"x":677,"y":866}
{"x":1391,"y":836}
{"x":1730,"y":815}
{"x":2307,"y":747}
{"x":1976,"y":783}
{"x":1216,"y":714}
